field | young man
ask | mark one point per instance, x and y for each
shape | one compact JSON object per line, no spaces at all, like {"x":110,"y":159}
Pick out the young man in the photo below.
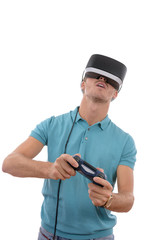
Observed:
{"x":74,"y":207}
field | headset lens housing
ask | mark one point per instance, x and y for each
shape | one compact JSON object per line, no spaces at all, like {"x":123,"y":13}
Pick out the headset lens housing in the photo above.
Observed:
{"x":107,"y":80}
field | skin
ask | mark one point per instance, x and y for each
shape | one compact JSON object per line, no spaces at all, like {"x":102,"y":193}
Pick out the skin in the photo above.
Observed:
{"x":93,"y":108}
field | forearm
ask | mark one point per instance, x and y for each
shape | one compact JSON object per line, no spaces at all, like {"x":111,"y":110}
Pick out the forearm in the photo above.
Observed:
{"x":20,"y":166}
{"x":121,"y":202}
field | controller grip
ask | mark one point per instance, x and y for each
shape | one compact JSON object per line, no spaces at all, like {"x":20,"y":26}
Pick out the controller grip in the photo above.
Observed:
{"x":88,"y":170}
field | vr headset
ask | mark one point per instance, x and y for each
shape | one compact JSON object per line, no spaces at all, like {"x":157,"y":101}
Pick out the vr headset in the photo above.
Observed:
{"x":107,"y":80}
{"x":110,"y":69}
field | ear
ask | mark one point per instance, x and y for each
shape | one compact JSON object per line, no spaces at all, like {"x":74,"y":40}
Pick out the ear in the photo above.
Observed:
{"x":115,"y":95}
{"x":82,"y":85}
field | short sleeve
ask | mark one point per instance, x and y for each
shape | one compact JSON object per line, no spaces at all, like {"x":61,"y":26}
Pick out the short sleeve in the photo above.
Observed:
{"x":41,"y":131}
{"x":128,"y":157}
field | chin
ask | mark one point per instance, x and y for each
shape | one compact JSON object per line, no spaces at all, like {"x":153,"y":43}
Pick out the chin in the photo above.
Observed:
{"x":99,"y":100}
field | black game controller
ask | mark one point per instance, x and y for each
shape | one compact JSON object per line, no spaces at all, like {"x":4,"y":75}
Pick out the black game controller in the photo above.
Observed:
{"x":88,"y":170}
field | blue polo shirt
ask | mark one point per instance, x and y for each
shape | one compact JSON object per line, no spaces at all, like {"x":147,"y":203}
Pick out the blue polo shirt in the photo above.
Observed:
{"x":103,"y":145}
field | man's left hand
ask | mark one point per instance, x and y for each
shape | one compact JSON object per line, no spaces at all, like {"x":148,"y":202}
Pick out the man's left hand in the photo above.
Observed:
{"x":99,"y":195}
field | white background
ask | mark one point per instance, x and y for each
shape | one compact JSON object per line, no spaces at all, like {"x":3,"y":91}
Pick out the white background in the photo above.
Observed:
{"x":44,"y":48}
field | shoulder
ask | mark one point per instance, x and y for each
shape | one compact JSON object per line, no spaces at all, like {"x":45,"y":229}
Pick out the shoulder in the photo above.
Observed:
{"x":120,"y":134}
{"x":60,"y":119}
{"x":60,"y":122}
{"x":117,"y":130}
{"x":66,"y":117}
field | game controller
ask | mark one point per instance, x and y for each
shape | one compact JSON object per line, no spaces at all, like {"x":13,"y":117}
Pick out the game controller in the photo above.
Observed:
{"x":88,"y":170}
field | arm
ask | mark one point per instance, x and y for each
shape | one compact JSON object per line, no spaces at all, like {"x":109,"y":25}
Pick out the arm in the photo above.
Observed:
{"x":123,"y":200}
{"x":20,"y":163}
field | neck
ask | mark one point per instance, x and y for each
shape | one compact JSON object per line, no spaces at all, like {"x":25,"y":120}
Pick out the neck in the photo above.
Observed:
{"x":93,"y":112}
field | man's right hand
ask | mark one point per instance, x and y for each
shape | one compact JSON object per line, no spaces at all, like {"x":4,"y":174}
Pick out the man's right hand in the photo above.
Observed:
{"x":60,"y":169}
{"x":20,"y":163}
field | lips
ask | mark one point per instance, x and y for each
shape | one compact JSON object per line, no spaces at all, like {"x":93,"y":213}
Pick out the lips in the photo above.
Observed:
{"x":101,"y":85}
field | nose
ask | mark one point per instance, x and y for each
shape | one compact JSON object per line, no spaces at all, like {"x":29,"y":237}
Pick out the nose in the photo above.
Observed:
{"x":102,"y":78}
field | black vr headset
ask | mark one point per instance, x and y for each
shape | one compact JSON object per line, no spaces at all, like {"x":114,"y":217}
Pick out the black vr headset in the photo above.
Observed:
{"x":110,"y":69}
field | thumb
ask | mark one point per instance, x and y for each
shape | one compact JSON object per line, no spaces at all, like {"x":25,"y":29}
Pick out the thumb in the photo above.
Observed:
{"x":101,"y":169}
{"x":78,"y":154}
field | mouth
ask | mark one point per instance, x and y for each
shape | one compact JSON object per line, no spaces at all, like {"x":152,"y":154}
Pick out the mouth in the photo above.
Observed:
{"x":101,"y":85}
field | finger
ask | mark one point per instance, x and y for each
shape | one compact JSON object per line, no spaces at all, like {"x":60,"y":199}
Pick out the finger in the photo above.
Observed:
{"x":99,"y":192}
{"x":67,"y":169}
{"x":63,"y":168}
{"x":97,"y":189}
{"x":78,"y":154}
{"x":101,"y":169}
{"x":58,"y":174}
{"x":95,"y":196}
{"x":62,"y":176}
{"x":98,"y":203}
{"x":103,"y":182}
{"x":68,"y":158}
{"x":61,"y":172}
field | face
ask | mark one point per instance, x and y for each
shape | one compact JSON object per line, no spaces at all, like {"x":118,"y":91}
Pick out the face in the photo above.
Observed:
{"x":98,"y":90}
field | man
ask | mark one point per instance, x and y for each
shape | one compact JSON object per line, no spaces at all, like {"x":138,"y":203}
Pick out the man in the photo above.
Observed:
{"x":74,"y":207}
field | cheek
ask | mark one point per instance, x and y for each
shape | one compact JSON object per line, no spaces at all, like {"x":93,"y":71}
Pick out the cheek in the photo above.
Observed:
{"x":112,"y":90}
{"x":86,"y":88}
{"x":115,"y":94}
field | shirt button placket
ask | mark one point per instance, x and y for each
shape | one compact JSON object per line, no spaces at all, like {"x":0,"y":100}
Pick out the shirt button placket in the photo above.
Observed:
{"x":86,"y":134}
{"x":84,"y":142}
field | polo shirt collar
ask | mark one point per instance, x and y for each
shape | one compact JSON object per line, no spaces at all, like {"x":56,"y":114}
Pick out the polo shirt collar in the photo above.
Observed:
{"x":103,"y":124}
{"x":73,"y":115}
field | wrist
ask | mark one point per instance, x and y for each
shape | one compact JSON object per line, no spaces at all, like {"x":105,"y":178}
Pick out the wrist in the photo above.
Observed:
{"x":43,"y":169}
{"x":108,"y":202}
{"x":49,"y":171}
